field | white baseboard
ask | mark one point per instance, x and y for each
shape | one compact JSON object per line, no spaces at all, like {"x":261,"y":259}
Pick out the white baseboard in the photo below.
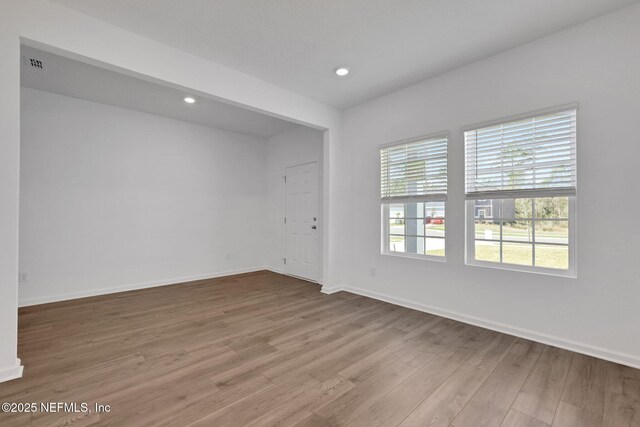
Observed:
{"x":329,"y":291}
{"x":281,"y":271}
{"x":12,"y":372}
{"x":587,"y":349}
{"x":131,"y":287}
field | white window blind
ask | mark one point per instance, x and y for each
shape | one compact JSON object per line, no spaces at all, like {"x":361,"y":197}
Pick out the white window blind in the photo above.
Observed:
{"x":530,"y":157}
{"x":414,"y":171}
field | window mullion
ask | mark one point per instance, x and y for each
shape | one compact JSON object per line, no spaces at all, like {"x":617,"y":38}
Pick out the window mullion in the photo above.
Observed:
{"x":501,"y":222}
{"x":533,"y":232}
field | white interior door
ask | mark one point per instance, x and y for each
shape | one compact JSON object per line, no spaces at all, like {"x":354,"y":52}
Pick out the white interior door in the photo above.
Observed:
{"x":302,"y":221}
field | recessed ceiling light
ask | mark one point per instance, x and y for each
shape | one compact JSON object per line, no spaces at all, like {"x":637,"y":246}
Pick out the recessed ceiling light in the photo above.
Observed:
{"x":189,"y":100}
{"x":342,"y":71}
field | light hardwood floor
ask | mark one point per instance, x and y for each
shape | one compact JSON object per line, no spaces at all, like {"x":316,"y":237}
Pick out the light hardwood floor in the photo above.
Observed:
{"x":264,"y":349}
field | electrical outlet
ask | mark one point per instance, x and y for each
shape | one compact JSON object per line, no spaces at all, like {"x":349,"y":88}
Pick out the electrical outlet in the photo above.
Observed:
{"x":373,"y":272}
{"x":23,"y":277}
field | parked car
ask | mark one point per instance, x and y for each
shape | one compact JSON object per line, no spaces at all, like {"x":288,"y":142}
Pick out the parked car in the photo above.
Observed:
{"x":434,"y":221}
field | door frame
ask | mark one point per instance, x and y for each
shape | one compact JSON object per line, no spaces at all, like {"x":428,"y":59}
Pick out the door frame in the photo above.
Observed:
{"x":320,"y":206}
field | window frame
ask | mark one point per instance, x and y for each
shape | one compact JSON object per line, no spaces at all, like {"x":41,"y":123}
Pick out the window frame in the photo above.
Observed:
{"x":384,"y":204}
{"x":385,"y":249}
{"x":471,"y":247}
{"x":469,"y":213}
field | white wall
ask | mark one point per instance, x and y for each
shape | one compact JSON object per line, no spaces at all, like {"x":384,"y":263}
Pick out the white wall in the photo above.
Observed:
{"x":596,"y":64}
{"x":37,"y":23}
{"x":115,"y":199}
{"x":295,"y":147}
{"x":10,"y":365}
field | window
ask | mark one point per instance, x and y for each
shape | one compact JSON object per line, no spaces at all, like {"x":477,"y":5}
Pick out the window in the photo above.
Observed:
{"x":413,"y":191}
{"x":520,"y":190}
{"x":526,"y":232}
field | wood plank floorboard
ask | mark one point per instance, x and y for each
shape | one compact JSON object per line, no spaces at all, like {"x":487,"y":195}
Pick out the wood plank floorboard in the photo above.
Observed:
{"x":263,"y":349}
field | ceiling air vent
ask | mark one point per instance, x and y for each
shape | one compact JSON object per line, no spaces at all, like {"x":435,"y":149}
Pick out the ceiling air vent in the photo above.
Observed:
{"x":36,"y":63}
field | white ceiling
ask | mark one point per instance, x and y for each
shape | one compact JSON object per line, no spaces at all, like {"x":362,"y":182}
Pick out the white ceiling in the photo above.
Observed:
{"x":387,"y":44}
{"x":79,"y":80}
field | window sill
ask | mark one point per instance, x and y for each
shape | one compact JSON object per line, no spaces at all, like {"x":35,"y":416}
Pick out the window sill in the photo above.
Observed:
{"x":415,"y":256}
{"x":567,"y":274}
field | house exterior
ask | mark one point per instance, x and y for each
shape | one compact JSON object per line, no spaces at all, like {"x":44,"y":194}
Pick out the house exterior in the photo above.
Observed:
{"x":490,"y":208}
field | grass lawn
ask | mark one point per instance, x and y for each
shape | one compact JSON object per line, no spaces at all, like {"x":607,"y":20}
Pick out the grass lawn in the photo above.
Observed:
{"x":521,"y":254}
{"x":547,"y":256}
{"x":557,"y":231}
{"x":436,"y":252}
